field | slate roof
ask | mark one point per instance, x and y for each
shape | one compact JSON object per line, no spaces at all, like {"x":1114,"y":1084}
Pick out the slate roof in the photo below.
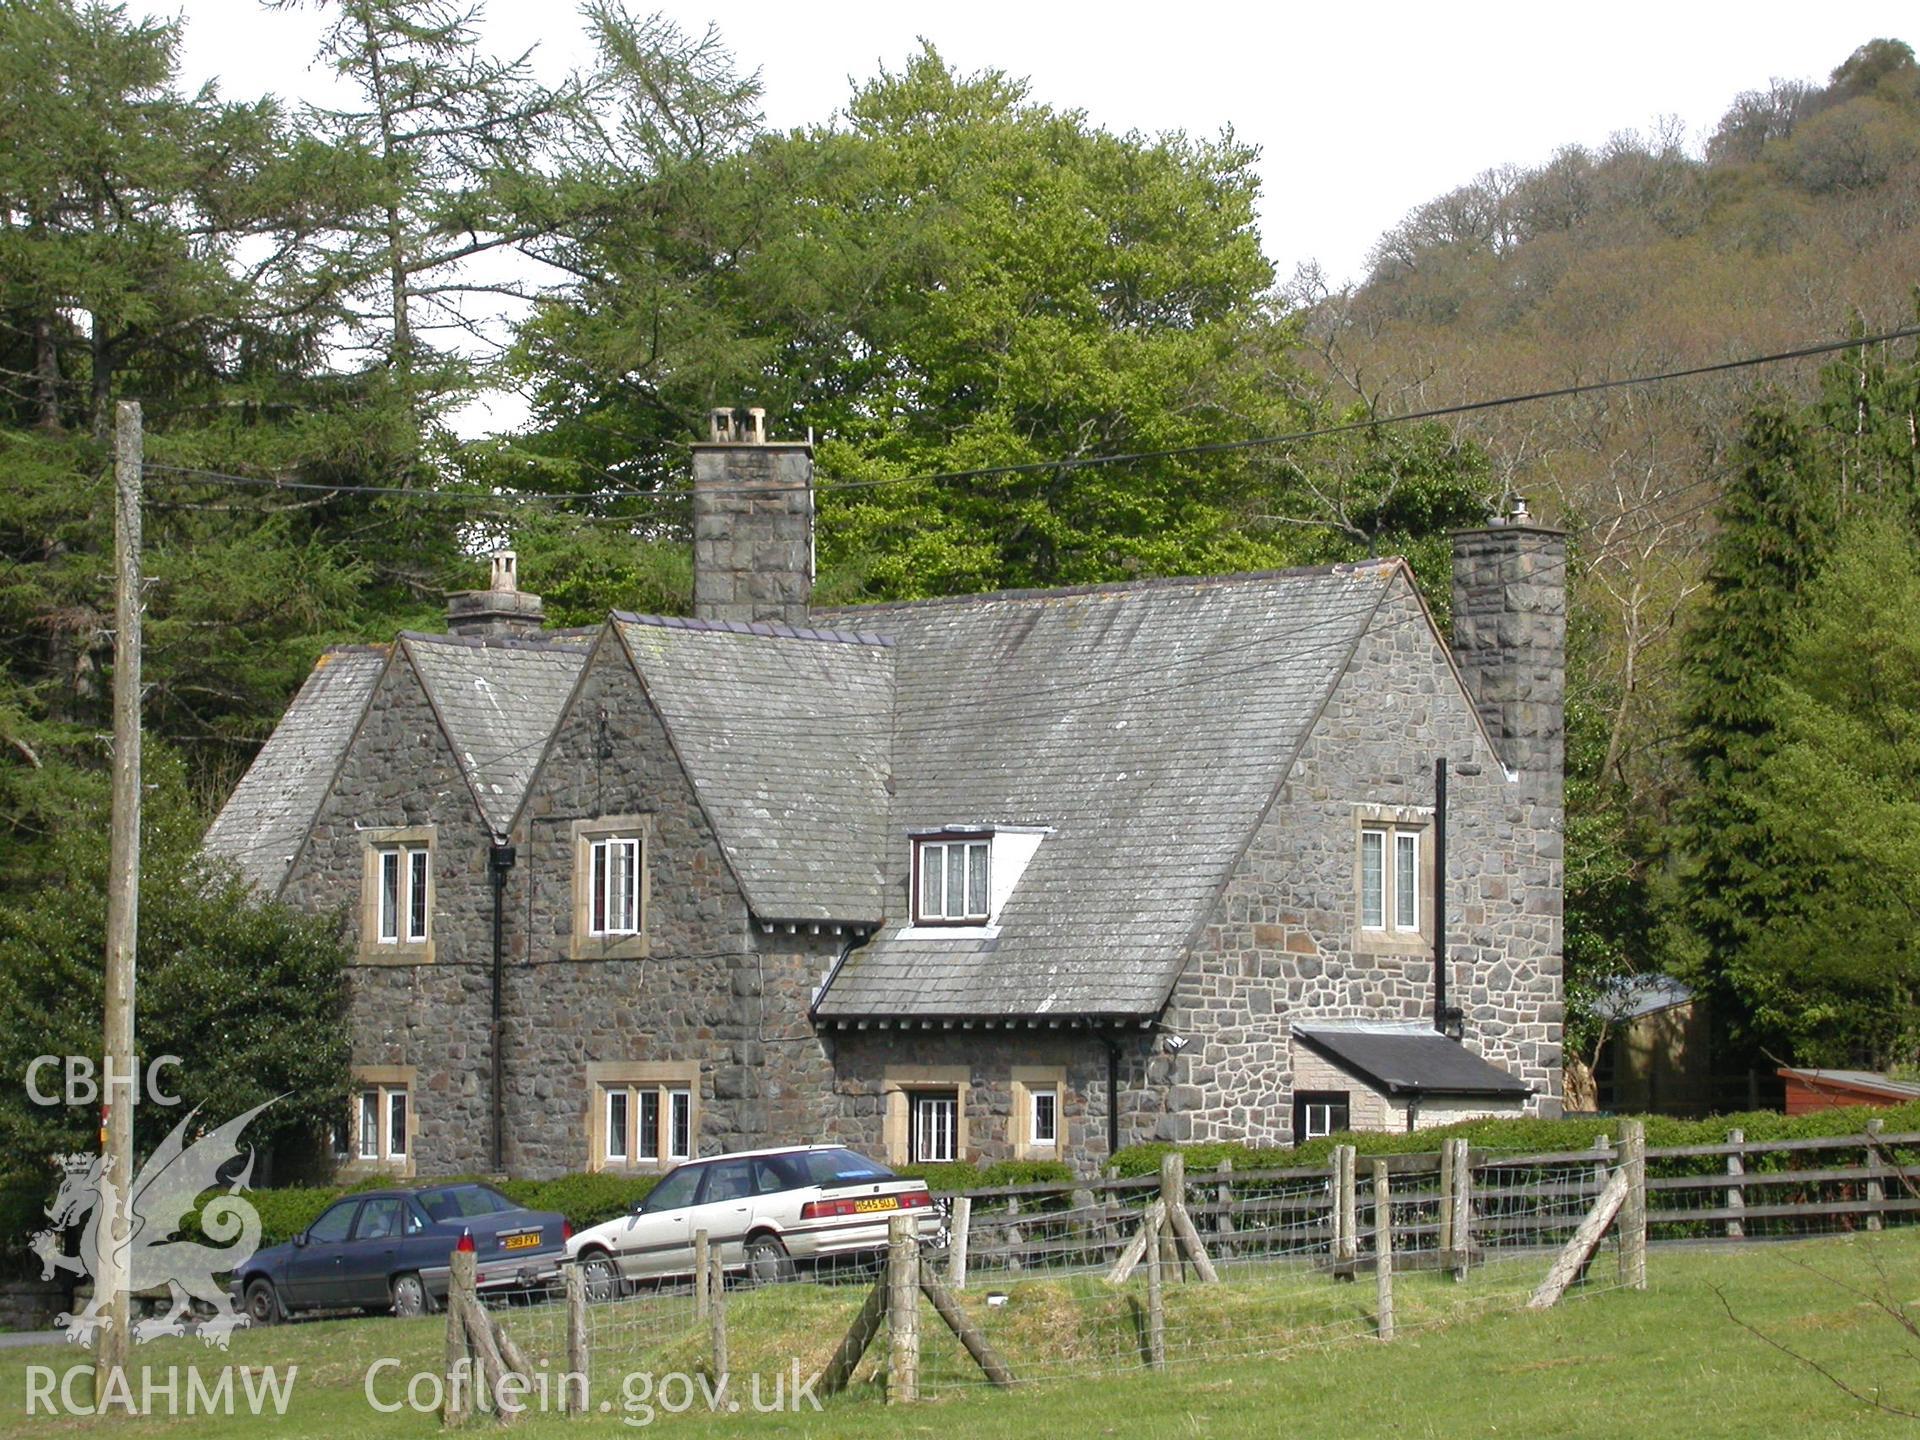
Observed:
{"x":267,"y":815}
{"x":1632,"y":997}
{"x":1148,"y":725}
{"x":498,"y":700}
{"x":786,"y":735}
{"x":1407,"y":1061}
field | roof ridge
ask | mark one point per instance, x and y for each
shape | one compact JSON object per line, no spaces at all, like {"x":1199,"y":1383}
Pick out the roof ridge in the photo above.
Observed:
{"x":1108,"y":587}
{"x":550,"y":641}
{"x":767,"y":629}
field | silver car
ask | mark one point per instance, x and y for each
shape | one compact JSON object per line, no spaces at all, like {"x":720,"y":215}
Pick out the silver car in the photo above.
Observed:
{"x":764,"y":1211}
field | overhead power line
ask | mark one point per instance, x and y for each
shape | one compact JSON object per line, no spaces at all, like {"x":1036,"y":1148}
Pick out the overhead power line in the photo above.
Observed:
{"x":191,"y":475}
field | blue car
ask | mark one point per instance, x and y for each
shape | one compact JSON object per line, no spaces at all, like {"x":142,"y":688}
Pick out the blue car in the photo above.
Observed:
{"x":386,"y":1251}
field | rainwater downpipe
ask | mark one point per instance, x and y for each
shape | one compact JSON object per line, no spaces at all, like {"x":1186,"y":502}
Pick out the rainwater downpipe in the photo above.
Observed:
{"x":500,"y":860}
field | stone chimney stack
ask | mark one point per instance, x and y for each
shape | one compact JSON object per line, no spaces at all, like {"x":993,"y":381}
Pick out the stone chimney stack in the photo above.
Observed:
{"x":503,"y":608}
{"x":1510,"y":640}
{"x":752,"y":522}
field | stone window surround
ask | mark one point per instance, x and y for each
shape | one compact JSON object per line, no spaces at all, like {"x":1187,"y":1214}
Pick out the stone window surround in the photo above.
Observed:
{"x":1027,"y":1081}
{"x":663,"y":1075}
{"x":374,"y":840}
{"x":582,"y":944}
{"x":900,"y":1083}
{"x":385,"y":1079}
{"x":1393,"y":818}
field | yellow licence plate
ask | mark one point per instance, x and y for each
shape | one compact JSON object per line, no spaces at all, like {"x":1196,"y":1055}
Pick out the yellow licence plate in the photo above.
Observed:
{"x":520,"y":1242}
{"x":876,"y":1202}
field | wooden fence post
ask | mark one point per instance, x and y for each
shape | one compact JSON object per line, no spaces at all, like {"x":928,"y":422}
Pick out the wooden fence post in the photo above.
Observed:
{"x":1223,"y":1197}
{"x":1736,"y":1194}
{"x":1347,"y":1254}
{"x":1633,"y":1212}
{"x":1156,"y":1293}
{"x":574,"y":1401}
{"x":1462,"y":1208}
{"x":1015,"y":1236}
{"x":903,"y":1311}
{"x":701,"y":1248}
{"x":1876,"y":1187}
{"x":1446,"y":1205}
{"x":717,"y":1318}
{"x":1383,"y":1248}
{"x":457,"y":1404}
{"x":1173,"y":1195}
{"x":1333,"y":1212}
{"x":958,"y":1229}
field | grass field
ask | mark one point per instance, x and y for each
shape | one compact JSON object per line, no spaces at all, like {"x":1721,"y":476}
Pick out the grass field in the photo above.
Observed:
{"x":1668,"y":1362}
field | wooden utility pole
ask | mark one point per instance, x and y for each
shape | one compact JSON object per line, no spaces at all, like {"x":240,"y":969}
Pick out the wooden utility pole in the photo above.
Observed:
{"x":123,"y":901}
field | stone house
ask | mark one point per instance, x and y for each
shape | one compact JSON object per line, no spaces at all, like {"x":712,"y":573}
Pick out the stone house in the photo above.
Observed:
{"x":1031,"y":874}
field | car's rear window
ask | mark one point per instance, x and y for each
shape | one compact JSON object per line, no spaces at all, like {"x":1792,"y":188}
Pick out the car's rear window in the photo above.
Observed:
{"x":830,"y":1167}
{"x":457,"y":1202}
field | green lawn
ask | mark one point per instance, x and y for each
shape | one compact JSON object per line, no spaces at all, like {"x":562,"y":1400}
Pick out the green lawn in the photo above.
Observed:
{"x":1666,"y":1362}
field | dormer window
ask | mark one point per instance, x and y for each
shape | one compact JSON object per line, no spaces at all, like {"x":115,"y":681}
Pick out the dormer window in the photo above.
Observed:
{"x":951,"y":881}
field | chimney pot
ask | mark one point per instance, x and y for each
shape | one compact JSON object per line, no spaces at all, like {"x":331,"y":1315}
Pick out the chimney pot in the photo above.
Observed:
{"x":503,"y":608}
{"x":720,"y":424}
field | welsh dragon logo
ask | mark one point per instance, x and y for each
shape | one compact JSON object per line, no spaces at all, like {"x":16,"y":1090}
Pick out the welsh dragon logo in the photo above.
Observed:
{"x":166,"y":1191}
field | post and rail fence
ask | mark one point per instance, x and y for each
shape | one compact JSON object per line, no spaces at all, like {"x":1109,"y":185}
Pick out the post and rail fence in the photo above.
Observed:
{"x":1045,"y":1282}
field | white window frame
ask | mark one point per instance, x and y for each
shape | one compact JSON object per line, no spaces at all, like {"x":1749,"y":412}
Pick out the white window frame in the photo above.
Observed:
{"x":374,"y":1145}
{"x":924,"y":1103}
{"x":602,"y":921}
{"x":1323,"y":1111}
{"x":1385,"y":911}
{"x":976,"y":852}
{"x":408,"y":900}
{"x":1051,"y":1096}
{"x":397,"y":1098}
{"x":679,"y":1123}
{"x":1406,"y":881}
{"x":660,"y":1124}
{"x":618,"y":1135}
{"x":368,"y":1136}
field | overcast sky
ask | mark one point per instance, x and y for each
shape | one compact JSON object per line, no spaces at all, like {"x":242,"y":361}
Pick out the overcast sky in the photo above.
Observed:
{"x":1361,"y":112}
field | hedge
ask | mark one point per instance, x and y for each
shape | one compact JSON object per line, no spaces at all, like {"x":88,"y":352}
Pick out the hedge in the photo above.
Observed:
{"x":1528,"y":1135}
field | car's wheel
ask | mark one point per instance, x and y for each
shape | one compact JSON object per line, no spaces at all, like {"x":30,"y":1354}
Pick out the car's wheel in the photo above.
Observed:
{"x":602,"y":1275}
{"x":262,"y":1305}
{"x":410,"y":1296}
{"x":767,"y":1260}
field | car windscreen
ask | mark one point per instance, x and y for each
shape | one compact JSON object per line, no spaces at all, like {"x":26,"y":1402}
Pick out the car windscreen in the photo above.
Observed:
{"x":830,"y":1167}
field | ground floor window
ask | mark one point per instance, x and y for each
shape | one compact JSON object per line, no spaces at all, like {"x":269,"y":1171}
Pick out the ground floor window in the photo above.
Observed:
{"x":1037,"y":1122}
{"x":936,"y":1127}
{"x":379,"y":1130}
{"x":1319,"y":1113}
{"x":642,"y":1122}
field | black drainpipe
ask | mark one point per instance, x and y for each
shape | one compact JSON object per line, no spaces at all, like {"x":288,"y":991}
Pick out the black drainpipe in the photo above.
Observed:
{"x":499,"y":861}
{"x":1113,"y":1097}
{"x":1440,"y":895}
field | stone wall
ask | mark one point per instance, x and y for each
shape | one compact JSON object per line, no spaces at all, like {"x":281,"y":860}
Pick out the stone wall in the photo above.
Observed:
{"x":1283,"y":944}
{"x":861,"y":1059}
{"x":401,"y":771}
{"x":712,"y":991}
